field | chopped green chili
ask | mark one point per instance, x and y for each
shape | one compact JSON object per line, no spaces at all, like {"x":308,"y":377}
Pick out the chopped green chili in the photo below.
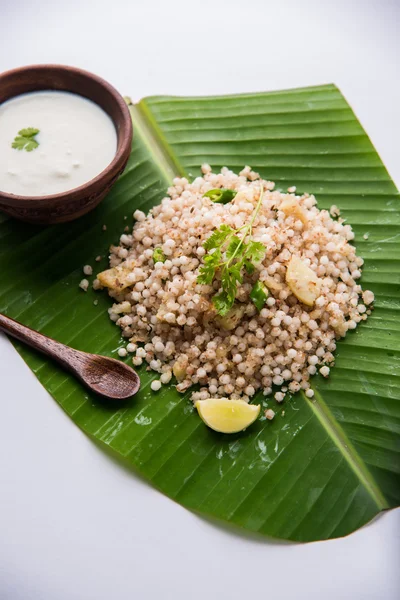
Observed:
{"x":223,"y":195}
{"x":158,"y":255}
{"x":259,"y":294}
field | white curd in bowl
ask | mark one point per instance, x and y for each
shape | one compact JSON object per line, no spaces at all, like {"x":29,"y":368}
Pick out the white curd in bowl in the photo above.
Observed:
{"x":76,"y":141}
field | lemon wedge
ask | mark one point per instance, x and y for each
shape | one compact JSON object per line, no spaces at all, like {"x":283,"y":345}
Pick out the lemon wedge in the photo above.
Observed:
{"x":227,"y":416}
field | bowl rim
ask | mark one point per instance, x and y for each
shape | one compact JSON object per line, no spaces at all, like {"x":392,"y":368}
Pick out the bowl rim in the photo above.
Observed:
{"x":120,"y":155}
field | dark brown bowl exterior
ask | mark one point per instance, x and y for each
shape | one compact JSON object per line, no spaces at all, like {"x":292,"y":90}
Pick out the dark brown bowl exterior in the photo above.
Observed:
{"x":70,"y":205}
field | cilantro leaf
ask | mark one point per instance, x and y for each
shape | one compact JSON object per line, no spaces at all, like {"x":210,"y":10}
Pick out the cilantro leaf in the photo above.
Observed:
{"x":228,"y":281}
{"x":236,"y":272}
{"x":28,"y":132}
{"x":218,"y":237}
{"x":250,"y":268}
{"x":232,"y":249}
{"x":25,"y":140}
{"x":208,"y":270}
{"x":206,"y":275}
{"x":222,"y":303}
{"x":254,"y":251}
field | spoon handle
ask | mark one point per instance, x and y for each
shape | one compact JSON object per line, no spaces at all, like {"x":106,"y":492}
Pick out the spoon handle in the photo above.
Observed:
{"x":68,"y":357}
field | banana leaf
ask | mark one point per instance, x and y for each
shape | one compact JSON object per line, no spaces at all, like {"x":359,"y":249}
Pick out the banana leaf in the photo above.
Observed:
{"x":320,"y":469}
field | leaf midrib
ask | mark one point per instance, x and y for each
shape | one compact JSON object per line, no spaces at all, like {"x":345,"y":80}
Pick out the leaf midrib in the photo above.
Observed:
{"x":163,"y":155}
{"x":349,"y":453}
{"x":155,"y":141}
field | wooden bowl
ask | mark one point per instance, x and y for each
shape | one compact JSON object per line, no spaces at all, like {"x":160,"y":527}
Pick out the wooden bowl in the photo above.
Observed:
{"x":69,"y":205}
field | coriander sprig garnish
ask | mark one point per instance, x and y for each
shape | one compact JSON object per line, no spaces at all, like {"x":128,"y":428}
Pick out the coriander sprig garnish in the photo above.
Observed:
{"x":230,"y":254}
{"x":25,"y":140}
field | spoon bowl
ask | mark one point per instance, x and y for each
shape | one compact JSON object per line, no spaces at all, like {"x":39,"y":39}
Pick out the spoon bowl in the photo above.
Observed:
{"x":109,"y":377}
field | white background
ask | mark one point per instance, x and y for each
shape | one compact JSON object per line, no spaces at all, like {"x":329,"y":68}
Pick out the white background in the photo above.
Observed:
{"x":74,"y":525}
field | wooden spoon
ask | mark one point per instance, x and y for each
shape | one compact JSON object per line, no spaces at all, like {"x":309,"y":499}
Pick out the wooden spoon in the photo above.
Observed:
{"x":104,"y":376}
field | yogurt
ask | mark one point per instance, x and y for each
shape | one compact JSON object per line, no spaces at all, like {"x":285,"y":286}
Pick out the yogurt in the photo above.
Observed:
{"x":76,"y":141}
